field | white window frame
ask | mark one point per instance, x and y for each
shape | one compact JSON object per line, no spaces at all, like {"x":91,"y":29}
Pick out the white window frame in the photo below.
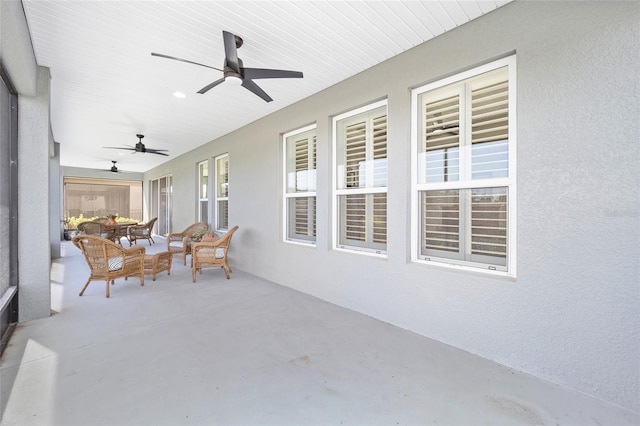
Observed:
{"x":338,"y":192}
{"x":292,"y":195}
{"x":218,"y":198}
{"x":466,"y":182}
{"x":204,"y":194}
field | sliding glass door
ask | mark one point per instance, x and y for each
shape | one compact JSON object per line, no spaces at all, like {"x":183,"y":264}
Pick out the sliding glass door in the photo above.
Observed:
{"x":161,"y":200}
{"x":8,"y":210}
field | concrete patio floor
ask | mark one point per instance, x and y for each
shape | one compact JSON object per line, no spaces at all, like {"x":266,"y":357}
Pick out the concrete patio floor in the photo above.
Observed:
{"x":248,"y":351}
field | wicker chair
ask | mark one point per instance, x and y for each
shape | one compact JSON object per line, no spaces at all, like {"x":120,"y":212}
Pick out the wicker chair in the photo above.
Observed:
{"x":212,"y":253}
{"x":141,"y":232}
{"x":98,"y":229}
{"x":108,"y":260}
{"x":179,"y":243}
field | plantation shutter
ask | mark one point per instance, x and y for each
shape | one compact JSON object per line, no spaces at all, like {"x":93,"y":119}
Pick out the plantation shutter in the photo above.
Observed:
{"x":490,"y":130}
{"x":489,"y":222}
{"x":222,"y":191}
{"x":442,"y":139}
{"x":442,"y":123}
{"x":380,"y":218}
{"x":304,"y":219}
{"x":355,"y":217}
{"x":379,"y":150}
{"x":441,"y":220}
{"x":305,"y":207}
{"x":302,"y":164}
{"x":356,"y":154}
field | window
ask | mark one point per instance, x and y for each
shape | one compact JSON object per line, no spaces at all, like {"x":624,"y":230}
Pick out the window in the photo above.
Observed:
{"x":360,"y":149}
{"x":464,"y":198}
{"x":300,"y":185}
{"x":222,"y":192}
{"x":203,"y":191}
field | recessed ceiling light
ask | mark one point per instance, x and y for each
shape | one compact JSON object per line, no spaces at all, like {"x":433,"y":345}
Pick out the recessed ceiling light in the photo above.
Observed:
{"x":179,"y":95}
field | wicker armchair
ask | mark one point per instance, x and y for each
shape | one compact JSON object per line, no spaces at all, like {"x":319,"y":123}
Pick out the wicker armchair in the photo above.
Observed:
{"x":179,"y":243}
{"x":212,"y":253}
{"x":141,"y":232}
{"x":108,"y":260}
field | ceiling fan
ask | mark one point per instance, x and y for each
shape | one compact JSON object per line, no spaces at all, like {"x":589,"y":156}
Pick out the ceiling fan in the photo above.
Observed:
{"x":139,"y":147}
{"x":234,"y":69}
{"x":115,"y":169}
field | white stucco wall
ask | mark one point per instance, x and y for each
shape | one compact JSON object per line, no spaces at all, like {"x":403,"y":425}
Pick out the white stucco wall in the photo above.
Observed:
{"x":34,"y":143}
{"x":571,"y":315}
{"x":34,"y":250}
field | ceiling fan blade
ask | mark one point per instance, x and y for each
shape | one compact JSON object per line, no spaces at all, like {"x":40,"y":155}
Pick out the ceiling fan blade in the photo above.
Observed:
{"x":257,"y":73}
{"x":251,"y":86}
{"x":210,"y":86}
{"x":160,"y":55}
{"x":230,"y":51}
{"x":119,"y":147}
{"x":157,"y":151}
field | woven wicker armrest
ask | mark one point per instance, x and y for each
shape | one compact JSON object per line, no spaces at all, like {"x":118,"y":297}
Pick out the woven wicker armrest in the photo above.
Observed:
{"x":139,"y":250}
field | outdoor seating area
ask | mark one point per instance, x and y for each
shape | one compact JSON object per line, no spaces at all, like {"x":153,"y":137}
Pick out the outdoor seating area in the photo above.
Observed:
{"x":207,"y":348}
{"x":109,"y":261}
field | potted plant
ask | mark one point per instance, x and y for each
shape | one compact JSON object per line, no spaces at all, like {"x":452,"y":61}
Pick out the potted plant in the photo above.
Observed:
{"x":198,"y":235}
{"x":70,"y":228}
{"x":112,"y":218}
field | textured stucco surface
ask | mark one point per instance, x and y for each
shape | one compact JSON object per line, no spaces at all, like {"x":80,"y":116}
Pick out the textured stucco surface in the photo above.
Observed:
{"x":34,"y":250}
{"x":34,"y":143}
{"x":571,"y":313}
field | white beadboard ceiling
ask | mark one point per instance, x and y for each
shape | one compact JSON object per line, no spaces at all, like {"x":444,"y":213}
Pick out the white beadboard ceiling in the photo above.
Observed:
{"x":106,"y":87}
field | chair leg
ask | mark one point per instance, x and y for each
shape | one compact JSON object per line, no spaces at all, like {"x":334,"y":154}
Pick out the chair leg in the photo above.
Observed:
{"x":227,"y":271}
{"x":193,"y":274}
{"x":85,"y":286}
{"x":108,"y":294}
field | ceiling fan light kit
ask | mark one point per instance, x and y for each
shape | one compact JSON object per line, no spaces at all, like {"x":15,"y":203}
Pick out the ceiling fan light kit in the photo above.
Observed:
{"x":234,"y":70}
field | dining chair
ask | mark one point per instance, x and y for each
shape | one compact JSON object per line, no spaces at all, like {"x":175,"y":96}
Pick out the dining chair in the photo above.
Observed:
{"x":98,"y":229}
{"x":141,"y":232}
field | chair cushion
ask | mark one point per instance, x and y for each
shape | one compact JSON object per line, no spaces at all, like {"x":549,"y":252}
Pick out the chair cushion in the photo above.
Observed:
{"x":115,"y":263}
{"x":219,"y":254}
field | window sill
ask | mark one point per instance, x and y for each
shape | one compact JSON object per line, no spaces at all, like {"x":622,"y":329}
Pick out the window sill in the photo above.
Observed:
{"x":470,"y":270}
